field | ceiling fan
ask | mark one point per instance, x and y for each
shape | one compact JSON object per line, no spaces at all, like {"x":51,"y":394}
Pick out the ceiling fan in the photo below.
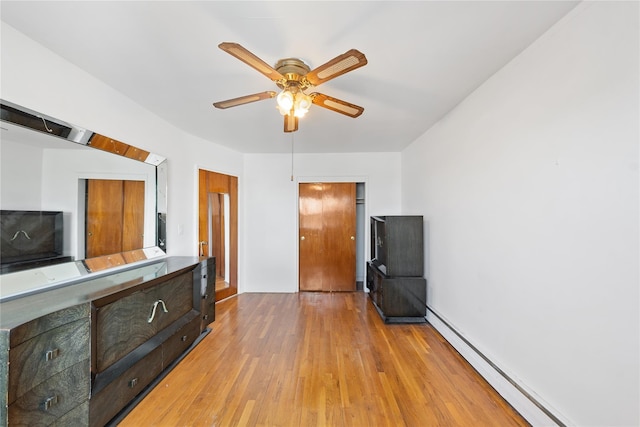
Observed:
{"x":294,"y":77}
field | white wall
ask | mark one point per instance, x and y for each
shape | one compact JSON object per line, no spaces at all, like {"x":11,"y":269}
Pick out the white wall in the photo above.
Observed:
{"x":530,"y":191}
{"x":271,"y":238}
{"x":34,"y":77}
{"x":20,"y":184}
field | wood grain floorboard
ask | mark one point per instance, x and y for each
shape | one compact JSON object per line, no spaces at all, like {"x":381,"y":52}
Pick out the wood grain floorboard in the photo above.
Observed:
{"x":320,"y":359}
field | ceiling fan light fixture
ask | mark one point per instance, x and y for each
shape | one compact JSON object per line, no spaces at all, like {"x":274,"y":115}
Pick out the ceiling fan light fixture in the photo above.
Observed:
{"x":292,"y":99}
{"x":301,"y":104}
{"x":285,"y":101}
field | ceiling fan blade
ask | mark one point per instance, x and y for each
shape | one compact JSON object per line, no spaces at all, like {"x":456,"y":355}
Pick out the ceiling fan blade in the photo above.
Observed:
{"x":250,"y":59}
{"x":290,"y":123}
{"x":336,"y":105}
{"x":338,"y":66}
{"x":244,"y":100}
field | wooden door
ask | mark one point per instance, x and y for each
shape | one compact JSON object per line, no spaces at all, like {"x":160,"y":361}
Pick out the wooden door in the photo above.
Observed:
{"x":327,"y":249}
{"x":115,"y":216}
{"x":211,"y":187}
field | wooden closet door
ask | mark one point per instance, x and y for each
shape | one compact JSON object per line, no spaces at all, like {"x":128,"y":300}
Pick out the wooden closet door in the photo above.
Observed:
{"x":133,"y":215}
{"x":339,"y":229}
{"x":311,"y":264}
{"x":327,"y":220}
{"x":104,"y":217}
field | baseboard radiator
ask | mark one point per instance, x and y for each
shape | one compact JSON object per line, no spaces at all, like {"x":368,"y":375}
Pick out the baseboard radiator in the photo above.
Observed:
{"x":522,"y":401}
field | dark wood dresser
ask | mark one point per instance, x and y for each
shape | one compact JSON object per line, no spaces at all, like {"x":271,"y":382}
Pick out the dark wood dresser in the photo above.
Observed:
{"x":85,"y":353}
{"x":395,"y":272}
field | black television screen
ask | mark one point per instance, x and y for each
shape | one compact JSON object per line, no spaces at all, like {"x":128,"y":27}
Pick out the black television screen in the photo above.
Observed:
{"x":378,"y":250}
{"x":30,"y":235}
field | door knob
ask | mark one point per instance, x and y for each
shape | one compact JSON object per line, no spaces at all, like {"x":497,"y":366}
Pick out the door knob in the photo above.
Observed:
{"x":353,"y":238}
{"x":302,"y":238}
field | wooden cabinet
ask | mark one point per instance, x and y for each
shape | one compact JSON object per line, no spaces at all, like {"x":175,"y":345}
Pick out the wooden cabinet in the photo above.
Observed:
{"x":397,"y":299}
{"x":88,"y":363}
{"x":394,"y":274}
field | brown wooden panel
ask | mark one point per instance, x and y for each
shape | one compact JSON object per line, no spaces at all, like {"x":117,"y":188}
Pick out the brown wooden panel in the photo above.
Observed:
{"x":136,"y":153}
{"x":104,"y":217}
{"x":133,"y":256}
{"x":311,"y":246}
{"x":218,"y":183}
{"x":133,"y":215}
{"x":103,"y":262}
{"x":339,"y":231}
{"x":108,"y":144}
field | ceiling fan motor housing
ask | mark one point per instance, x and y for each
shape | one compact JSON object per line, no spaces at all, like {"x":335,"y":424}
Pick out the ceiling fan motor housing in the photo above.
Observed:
{"x":293,"y":70}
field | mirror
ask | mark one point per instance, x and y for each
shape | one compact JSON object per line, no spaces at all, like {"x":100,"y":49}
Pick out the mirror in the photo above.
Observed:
{"x":80,"y":182}
{"x":218,"y":233}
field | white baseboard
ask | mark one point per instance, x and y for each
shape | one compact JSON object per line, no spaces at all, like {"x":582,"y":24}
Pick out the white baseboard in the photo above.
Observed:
{"x":526,"y":405}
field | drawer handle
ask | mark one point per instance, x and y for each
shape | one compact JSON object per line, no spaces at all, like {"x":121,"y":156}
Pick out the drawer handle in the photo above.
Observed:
{"x":50,"y":402}
{"x":133,"y":383}
{"x":52,"y":354}
{"x":183,"y":338}
{"x":153,"y":310}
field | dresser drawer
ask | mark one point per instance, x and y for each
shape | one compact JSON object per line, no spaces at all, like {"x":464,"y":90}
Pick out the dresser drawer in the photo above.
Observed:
{"x":53,"y":399}
{"x":127,"y":323}
{"x":208,"y":315}
{"x":116,"y":395}
{"x":181,"y":340}
{"x":45,"y":355}
{"x":43,"y":324}
{"x":79,"y":416}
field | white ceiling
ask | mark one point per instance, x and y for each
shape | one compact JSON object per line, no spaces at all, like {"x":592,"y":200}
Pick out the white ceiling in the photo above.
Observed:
{"x":424,"y":58}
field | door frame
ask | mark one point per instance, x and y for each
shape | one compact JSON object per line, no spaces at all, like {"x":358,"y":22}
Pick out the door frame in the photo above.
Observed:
{"x":365,"y":233}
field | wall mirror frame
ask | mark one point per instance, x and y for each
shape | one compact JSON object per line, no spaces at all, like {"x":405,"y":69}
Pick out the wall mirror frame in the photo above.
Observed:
{"x":40,"y":150}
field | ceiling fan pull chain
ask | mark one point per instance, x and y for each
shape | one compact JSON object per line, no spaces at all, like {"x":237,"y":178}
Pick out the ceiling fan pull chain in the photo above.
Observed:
{"x":292,"y":135}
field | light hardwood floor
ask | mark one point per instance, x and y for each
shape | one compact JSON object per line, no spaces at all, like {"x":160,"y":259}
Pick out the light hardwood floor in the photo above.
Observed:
{"x":320,"y":359}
